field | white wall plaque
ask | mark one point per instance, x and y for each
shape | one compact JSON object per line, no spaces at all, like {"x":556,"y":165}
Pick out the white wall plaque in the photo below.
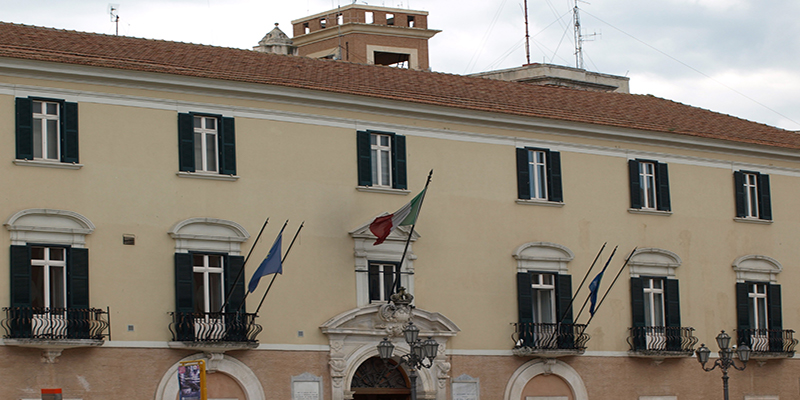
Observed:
{"x":466,"y":387}
{"x":306,"y":387}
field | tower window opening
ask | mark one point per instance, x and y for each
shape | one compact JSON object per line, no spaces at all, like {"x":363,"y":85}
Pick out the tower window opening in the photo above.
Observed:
{"x":369,"y":17}
{"x":389,"y":19}
{"x":411,"y":21}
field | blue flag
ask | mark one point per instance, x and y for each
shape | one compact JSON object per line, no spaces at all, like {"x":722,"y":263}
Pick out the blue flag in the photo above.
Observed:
{"x":593,"y":289}
{"x":270,"y":265}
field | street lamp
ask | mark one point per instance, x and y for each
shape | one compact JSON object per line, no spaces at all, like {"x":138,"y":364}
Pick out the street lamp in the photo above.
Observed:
{"x":421,"y":351}
{"x":725,"y":359}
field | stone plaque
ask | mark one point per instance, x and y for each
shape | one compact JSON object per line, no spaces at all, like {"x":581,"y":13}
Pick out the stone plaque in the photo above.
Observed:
{"x":306,"y":387}
{"x":466,"y":387}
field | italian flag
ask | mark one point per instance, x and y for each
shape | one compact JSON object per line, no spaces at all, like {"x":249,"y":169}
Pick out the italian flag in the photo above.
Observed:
{"x":406,"y":215}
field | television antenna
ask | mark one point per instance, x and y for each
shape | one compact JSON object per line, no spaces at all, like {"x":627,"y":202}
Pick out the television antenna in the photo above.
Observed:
{"x":113,"y":11}
{"x":579,"y":37}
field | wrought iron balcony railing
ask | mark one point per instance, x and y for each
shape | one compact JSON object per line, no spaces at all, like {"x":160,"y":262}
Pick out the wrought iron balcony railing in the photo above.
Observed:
{"x":56,"y":323}
{"x":214,"y":327}
{"x":662,"y":341}
{"x":768,"y":342}
{"x":541,"y":338}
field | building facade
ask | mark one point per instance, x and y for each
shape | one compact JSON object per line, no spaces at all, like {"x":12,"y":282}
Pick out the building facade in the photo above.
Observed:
{"x":138,"y":174}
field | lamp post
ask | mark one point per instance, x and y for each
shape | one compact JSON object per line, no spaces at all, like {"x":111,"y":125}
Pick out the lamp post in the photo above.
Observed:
{"x":421,"y":351}
{"x":725,"y":359}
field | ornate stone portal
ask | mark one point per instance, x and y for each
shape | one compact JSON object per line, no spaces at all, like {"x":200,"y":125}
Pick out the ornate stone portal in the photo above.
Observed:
{"x":354,"y":336}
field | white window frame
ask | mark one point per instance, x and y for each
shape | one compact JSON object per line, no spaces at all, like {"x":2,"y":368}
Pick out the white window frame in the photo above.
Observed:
{"x":537,"y":174}
{"x":378,"y":167}
{"x":651,"y":293}
{"x":201,"y":164}
{"x":386,"y":270}
{"x":758,"y":314}
{"x":540,"y":289}
{"x":391,"y":249}
{"x":751,"y":195}
{"x":40,"y":120}
{"x":47,"y":263}
{"x":207,"y":270}
{"x":647,"y":184}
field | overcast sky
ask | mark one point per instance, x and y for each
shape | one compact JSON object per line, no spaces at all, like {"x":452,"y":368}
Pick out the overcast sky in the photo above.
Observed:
{"x":738,"y":57}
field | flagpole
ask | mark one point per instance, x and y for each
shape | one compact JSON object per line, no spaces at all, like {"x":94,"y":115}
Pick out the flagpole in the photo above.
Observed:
{"x":411,"y":233}
{"x":590,"y":293}
{"x":241,"y":271}
{"x":609,"y":288}
{"x":284,"y":258}
{"x":572,"y":300}
{"x":247,"y":292}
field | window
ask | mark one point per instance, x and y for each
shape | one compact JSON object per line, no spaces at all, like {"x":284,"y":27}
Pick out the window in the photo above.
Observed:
{"x":752,"y":195}
{"x":539,"y":175}
{"x":381,"y":278}
{"x":656,"y":314}
{"x":323,"y":23}
{"x":649,"y":183}
{"x":48,"y":277}
{"x":208,"y":283}
{"x":545,"y":314}
{"x":411,"y":22}
{"x":389,"y":19}
{"x":369,"y":17}
{"x":759,"y":316}
{"x":543,"y":293}
{"x":381,"y":159}
{"x":306,"y":28}
{"x":207,"y":144}
{"x":339,"y":19}
{"x":46,"y":130}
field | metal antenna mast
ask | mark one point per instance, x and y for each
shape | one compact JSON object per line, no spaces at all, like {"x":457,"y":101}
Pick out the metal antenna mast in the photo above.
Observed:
{"x":576,"y":18}
{"x":113,"y":11}
{"x":527,"y":36}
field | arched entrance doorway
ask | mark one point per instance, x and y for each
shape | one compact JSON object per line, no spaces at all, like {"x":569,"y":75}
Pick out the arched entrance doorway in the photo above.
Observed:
{"x":374,"y":380}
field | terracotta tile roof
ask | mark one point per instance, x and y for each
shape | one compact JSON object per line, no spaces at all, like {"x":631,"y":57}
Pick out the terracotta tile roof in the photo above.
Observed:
{"x":609,"y":109}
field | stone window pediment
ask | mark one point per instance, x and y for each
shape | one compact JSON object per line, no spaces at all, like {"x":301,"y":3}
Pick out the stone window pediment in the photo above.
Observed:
{"x":44,"y":225}
{"x":653,"y":262}
{"x":758,"y":268}
{"x":208,"y":235}
{"x":543,"y":256}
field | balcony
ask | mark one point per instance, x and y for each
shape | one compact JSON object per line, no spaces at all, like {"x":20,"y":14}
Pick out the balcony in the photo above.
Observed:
{"x":55,"y":329}
{"x":768,"y":343}
{"x":661,"y":342}
{"x":216,"y":331}
{"x":549,"y":340}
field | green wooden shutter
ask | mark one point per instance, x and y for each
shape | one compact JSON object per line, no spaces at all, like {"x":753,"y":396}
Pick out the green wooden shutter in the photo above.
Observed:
{"x":764,"y":202}
{"x":743,"y":314}
{"x":186,"y":142}
{"x":364,"y":158}
{"x":234,"y":288}
{"x":563,"y":298}
{"x":20,"y":276}
{"x":738,"y":186}
{"x":775,"y":318}
{"x":662,"y":186}
{"x":184,"y":289}
{"x":78,"y":278}
{"x":19,"y":322}
{"x":24,"y":128}
{"x":555,"y":191}
{"x":69,"y":129}
{"x":672,"y":317}
{"x":525,"y":308}
{"x":637,"y":313}
{"x":227,"y":146}
{"x":633,"y":175}
{"x":399,"y":162}
{"x":523,"y":174}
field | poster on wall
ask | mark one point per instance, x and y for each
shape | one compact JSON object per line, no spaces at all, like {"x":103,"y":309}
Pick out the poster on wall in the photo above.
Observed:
{"x":189,"y":382}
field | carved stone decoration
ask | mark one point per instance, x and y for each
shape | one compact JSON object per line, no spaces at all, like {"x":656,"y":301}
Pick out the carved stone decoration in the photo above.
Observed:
{"x":442,"y":370}
{"x":212,"y":361}
{"x":50,"y":356}
{"x":399,"y":309}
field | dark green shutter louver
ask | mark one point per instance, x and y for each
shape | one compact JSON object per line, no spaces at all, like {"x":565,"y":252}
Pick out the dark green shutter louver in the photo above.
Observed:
{"x":20,"y":276}
{"x":364,"y":158}
{"x":764,"y":202}
{"x":523,"y":175}
{"x":775,"y":318}
{"x":186,"y":142}
{"x":662,"y":187}
{"x":184,"y":296}
{"x":554,"y":176}
{"x":399,"y":162}
{"x":672,"y":311}
{"x":738,"y":186}
{"x":227,"y":146}
{"x":525,"y":308}
{"x":24,"y":128}
{"x":636,"y":190}
{"x":78,"y":278}
{"x":235,"y":289}
{"x":637,"y":313}
{"x":742,"y":314}
{"x":69,"y":129}
{"x":563,"y":298}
